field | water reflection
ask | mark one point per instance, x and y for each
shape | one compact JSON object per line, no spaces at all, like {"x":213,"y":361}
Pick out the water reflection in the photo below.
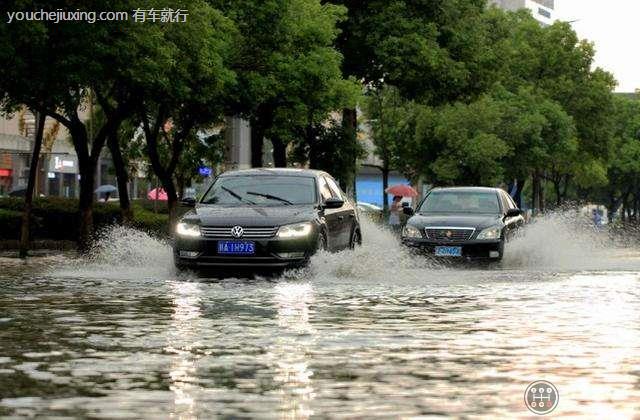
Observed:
{"x":289,"y":350}
{"x":183,"y":337}
{"x":373,"y":332}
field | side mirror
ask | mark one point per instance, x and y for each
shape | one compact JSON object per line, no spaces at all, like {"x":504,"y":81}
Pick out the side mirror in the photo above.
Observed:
{"x":408,"y":211}
{"x":188,"y":202}
{"x":333,"y":203}
{"x":513,"y":212}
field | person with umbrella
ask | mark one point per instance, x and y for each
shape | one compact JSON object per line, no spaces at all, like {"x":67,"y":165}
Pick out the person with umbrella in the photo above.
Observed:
{"x":398,"y":192}
{"x":107,"y":190}
{"x":394,"y":213}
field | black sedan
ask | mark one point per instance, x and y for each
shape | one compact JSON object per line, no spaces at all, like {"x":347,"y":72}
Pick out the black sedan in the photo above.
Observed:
{"x":265,"y":218}
{"x":463,"y":222}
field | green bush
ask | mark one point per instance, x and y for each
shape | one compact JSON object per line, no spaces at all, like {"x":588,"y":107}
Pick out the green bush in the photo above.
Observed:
{"x":58,"y":218}
{"x":10,"y":222}
{"x":152,"y":223}
{"x":150,"y":205}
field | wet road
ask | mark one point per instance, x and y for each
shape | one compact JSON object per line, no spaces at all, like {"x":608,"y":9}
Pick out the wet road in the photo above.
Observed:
{"x":373,"y":332}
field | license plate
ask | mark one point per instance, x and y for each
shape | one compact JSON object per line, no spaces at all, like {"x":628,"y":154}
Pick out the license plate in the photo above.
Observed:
{"x":448,"y":251}
{"x":236,"y":247}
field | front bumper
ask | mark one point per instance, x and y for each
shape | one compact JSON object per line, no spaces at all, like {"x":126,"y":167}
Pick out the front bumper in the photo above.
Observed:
{"x":269,"y":253}
{"x":471,"y":249}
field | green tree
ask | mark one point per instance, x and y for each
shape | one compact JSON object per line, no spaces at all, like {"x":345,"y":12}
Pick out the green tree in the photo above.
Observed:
{"x":623,"y":188}
{"x":188,"y":93}
{"x":286,"y":66}
{"x":61,"y":69}
{"x":384,"y":108}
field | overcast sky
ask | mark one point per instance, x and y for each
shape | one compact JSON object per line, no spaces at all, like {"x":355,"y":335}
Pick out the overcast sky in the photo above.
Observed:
{"x":614,"y":27}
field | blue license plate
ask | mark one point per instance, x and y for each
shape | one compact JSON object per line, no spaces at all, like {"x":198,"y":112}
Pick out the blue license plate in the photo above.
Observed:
{"x":448,"y":251}
{"x":236,"y":247}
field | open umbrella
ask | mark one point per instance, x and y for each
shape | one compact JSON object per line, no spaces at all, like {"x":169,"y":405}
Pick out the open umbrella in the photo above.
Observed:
{"x":402,"y":190}
{"x":103,"y":189}
{"x":157,"y":194}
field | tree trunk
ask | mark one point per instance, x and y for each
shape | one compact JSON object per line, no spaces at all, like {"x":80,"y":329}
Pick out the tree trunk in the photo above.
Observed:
{"x":31,"y":184}
{"x":519,"y":188}
{"x":385,"y":185}
{"x":257,"y":142}
{"x":260,"y":123}
{"x":87,"y":185}
{"x":558,"y":191}
{"x":310,"y":138}
{"x":350,"y":127}
{"x":172,"y":199}
{"x":122,"y":178}
{"x":535,"y":187}
{"x":543,"y":203}
{"x":565,"y":189}
{"x":279,"y":152}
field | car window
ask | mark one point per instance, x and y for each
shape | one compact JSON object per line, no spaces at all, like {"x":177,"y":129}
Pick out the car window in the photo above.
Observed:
{"x":505,"y":202}
{"x":263,"y":190}
{"x":336,"y":192}
{"x":480,"y":202}
{"x":325,"y":191}
{"x":512,"y":204}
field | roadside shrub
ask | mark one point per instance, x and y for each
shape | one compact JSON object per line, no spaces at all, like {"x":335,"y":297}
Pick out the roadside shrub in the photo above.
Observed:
{"x":152,"y":223}
{"x":10,"y":222}
{"x":58,"y":218}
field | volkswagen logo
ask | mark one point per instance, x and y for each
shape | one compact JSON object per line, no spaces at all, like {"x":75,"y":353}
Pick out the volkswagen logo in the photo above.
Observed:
{"x":237,"y":231}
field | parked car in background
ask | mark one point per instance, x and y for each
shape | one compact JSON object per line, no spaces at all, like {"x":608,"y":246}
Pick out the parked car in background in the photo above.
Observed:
{"x":266,"y":218}
{"x":371,"y":211}
{"x":463,"y":222}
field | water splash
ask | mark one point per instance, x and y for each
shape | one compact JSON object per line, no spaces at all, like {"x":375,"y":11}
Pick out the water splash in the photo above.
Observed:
{"x":123,"y":253}
{"x":564,"y":240}
{"x":555,"y":242}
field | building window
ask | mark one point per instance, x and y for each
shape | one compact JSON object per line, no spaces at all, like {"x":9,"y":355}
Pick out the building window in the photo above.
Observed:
{"x":549,"y":4}
{"x":544,"y":13}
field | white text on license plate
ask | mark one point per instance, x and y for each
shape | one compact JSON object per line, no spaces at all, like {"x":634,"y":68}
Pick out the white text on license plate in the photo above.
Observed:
{"x":448,"y":251}
{"x":236,"y":247}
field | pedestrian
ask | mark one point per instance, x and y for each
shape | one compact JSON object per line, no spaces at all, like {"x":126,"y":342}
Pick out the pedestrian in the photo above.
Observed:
{"x":394,"y":213}
{"x":106,"y":196}
{"x":597,"y":218}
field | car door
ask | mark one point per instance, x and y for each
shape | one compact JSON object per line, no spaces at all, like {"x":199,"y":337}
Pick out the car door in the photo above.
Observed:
{"x":345,"y":214}
{"x":331,"y":216}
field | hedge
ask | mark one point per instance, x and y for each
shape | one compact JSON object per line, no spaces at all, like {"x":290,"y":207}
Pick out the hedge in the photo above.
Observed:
{"x":57,"y":218}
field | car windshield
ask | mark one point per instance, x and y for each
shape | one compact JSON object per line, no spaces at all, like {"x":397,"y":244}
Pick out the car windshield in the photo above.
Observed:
{"x":461,"y":202}
{"x":263,"y":190}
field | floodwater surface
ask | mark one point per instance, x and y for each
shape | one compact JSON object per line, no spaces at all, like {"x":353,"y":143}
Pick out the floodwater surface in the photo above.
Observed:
{"x":370,"y":332}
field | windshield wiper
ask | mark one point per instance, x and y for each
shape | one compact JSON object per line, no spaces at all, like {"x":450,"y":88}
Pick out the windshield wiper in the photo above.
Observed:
{"x":270,"y":197}
{"x":236,"y":195}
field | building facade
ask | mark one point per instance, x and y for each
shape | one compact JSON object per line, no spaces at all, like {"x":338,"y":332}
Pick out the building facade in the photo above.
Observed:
{"x":544,"y":11}
{"x":58,"y":169}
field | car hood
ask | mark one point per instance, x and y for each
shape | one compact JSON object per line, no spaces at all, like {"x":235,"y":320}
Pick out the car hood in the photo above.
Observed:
{"x":250,"y":215}
{"x":477,"y":221}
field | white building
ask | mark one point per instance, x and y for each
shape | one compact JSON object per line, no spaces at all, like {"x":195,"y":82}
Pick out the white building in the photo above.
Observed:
{"x":542,"y":10}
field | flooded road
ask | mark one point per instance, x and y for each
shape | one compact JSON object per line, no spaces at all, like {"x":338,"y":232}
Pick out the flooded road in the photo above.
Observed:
{"x":370,"y":332}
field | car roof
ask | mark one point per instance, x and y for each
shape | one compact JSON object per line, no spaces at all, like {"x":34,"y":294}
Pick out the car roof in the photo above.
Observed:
{"x":468,"y":189}
{"x":274,"y":171}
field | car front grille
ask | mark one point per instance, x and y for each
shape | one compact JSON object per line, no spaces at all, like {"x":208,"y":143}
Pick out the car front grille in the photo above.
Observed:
{"x":449,"y":233}
{"x":249,"y":232}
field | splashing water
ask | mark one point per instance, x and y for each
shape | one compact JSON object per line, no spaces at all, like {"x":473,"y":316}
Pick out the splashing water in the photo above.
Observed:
{"x":564,"y":241}
{"x":558,"y":241}
{"x":124,"y":253}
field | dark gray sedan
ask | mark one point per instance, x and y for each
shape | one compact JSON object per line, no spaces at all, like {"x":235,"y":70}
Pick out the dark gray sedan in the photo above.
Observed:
{"x":463,"y":222}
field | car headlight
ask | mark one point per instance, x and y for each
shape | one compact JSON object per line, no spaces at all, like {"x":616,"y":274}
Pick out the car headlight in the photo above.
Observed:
{"x":187,"y":229}
{"x":493,"y":232}
{"x":411,"y":232}
{"x":297,"y":230}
